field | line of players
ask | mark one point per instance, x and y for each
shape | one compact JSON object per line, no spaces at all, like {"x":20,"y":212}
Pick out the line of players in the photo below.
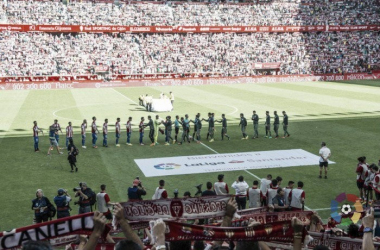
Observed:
{"x":154,"y":129}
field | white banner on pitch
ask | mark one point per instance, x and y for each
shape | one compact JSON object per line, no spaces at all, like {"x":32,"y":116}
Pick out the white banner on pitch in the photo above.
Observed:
{"x":226,"y":162}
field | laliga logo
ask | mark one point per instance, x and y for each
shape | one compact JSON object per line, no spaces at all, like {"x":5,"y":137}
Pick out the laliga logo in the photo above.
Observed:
{"x":346,"y":208}
{"x":167,"y":166}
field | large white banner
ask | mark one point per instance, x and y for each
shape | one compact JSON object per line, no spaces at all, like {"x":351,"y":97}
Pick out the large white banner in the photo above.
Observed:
{"x":226,"y":162}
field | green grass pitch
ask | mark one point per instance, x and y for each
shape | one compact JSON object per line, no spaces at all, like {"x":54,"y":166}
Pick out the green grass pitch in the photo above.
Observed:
{"x":344,"y":115}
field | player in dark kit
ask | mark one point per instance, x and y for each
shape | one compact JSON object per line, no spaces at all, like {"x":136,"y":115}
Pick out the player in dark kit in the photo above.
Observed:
{"x":267,"y":126}
{"x":276,"y":124}
{"x":141,"y":131}
{"x":168,"y":130}
{"x":243,"y":126}
{"x":211,"y":126}
{"x":176,"y":128}
{"x":187,"y":121}
{"x":184,"y":132}
{"x":224,"y":127}
{"x":195,"y":134}
{"x":197,"y":128}
{"x":151,"y":129}
{"x":285,"y":125}
{"x":255,"y":119}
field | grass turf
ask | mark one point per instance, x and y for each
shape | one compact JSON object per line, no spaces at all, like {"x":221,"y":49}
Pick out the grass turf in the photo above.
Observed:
{"x":345,"y":116}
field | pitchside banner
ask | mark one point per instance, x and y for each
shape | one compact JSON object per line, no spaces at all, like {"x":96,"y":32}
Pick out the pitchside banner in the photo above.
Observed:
{"x":78,"y":224}
{"x":180,"y":29}
{"x":226,"y":162}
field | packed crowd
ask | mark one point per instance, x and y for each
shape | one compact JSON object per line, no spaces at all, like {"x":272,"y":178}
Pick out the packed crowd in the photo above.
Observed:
{"x":270,"y":192}
{"x":229,"y":54}
{"x":277,"y":12}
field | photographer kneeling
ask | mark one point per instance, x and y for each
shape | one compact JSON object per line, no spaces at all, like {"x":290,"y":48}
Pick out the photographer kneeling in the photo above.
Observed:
{"x":85,"y":196}
{"x":62,"y":202}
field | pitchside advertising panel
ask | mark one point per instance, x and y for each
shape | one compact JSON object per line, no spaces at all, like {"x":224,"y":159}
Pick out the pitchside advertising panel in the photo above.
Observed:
{"x":11,"y":83}
{"x":181,"y":29}
{"x":226,"y":162}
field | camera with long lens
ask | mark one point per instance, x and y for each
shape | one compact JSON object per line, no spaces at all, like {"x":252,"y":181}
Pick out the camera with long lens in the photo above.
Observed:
{"x":138,"y":178}
{"x":199,"y":189}
{"x":76,"y":189}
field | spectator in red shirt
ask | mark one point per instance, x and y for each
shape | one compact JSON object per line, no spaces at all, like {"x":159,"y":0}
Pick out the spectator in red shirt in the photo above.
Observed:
{"x":361,"y":171}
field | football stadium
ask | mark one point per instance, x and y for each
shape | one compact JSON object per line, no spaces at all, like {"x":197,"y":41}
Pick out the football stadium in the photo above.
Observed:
{"x":190,"y":125}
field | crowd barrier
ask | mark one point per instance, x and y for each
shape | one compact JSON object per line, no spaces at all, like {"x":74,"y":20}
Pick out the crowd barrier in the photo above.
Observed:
{"x":194,"y":81}
{"x":181,"y":29}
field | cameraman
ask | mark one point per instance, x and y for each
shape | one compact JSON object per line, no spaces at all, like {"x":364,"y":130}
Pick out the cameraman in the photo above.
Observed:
{"x":85,"y":194}
{"x":62,"y":203}
{"x":136,"y":191}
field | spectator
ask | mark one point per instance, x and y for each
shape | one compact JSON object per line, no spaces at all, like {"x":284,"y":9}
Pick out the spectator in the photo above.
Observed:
{"x":272,"y":192}
{"x":361,"y":171}
{"x":240,"y":187}
{"x":220,"y":187}
{"x":279,"y":201}
{"x":209,"y":191}
{"x":254,"y":195}
{"x":103,"y":202}
{"x":160,"y":192}
{"x":287,"y":191}
{"x":297,"y":197}
{"x":265,"y":184}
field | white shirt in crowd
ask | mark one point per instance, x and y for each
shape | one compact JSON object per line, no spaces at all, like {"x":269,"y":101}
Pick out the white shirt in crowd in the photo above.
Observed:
{"x":240,"y":188}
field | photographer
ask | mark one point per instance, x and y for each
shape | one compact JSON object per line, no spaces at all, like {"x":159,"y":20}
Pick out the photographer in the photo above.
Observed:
{"x":73,"y":152}
{"x":85,"y":195}
{"x":62,"y":202}
{"x":136,"y":191}
{"x":40,"y":206}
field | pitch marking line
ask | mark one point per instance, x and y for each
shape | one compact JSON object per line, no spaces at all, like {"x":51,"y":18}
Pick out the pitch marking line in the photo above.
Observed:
{"x":256,"y":175}
{"x":125,"y":96}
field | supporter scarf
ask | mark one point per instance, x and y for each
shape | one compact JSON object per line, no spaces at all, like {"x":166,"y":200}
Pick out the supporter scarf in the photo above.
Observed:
{"x":336,"y":243}
{"x":280,"y":231}
{"x":78,"y":224}
{"x":262,"y":218}
{"x":188,"y":208}
{"x":265,"y":218}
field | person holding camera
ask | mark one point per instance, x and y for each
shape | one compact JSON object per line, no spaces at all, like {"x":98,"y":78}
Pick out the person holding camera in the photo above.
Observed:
{"x":73,"y":152}
{"x":136,"y":191}
{"x":40,"y":206}
{"x":85,"y":196}
{"x":62,"y":202}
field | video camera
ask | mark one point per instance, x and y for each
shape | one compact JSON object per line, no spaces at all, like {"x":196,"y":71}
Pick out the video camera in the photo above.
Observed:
{"x":138,"y":178}
{"x":76,"y":189}
{"x":199,"y":189}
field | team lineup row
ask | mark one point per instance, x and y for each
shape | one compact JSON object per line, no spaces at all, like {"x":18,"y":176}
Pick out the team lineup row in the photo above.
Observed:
{"x":168,"y":124}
